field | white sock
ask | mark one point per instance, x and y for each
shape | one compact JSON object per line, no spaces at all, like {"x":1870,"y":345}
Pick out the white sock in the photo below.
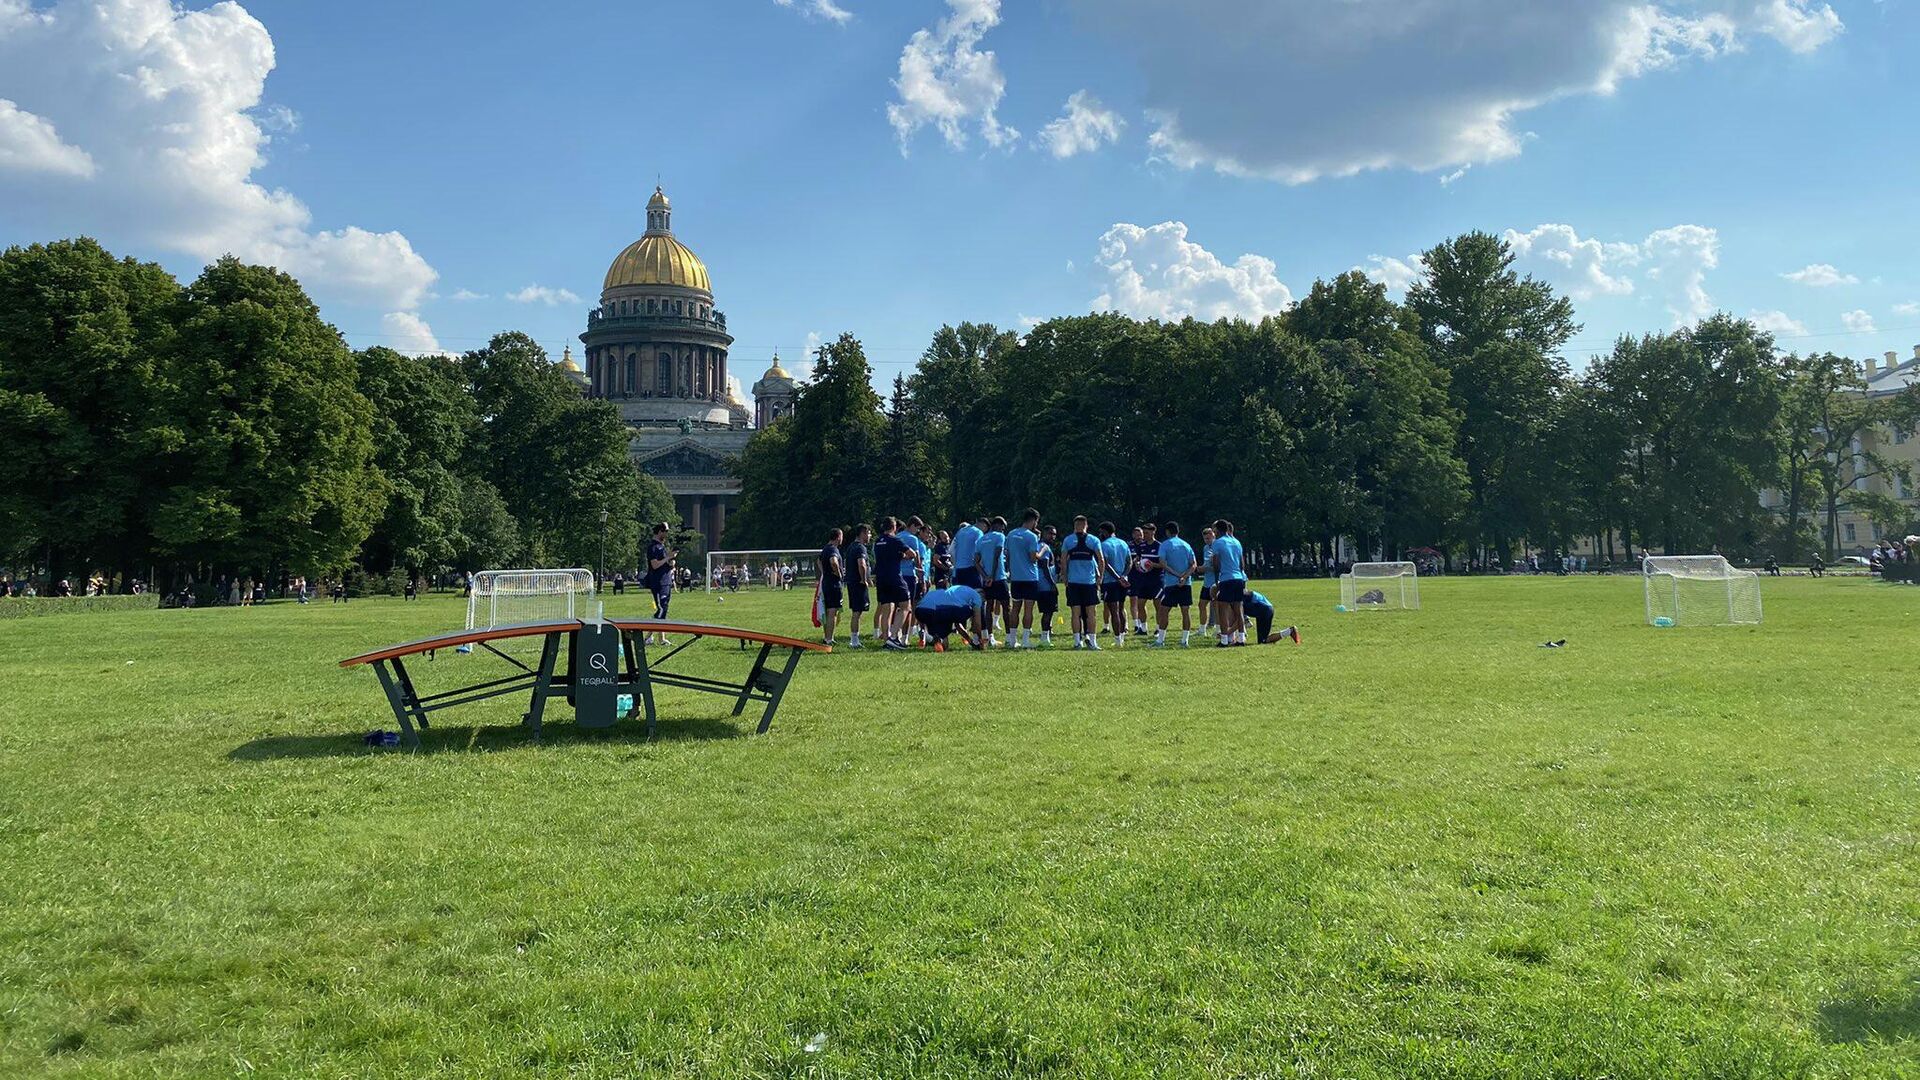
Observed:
{"x":1046,"y":637}
{"x":1092,"y":644}
{"x":1186,"y":637}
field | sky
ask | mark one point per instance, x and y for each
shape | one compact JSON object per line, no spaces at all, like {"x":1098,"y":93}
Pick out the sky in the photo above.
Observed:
{"x":435,"y":173}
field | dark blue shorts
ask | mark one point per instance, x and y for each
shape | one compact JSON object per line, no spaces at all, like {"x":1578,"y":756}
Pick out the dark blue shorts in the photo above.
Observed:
{"x":893,"y":592}
{"x":1113,"y":591}
{"x":1049,"y":601}
{"x":941,"y":621}
{"x":857,"y":599}
{"x":1025,"y":590}
{"x":830,"y":595}
{"x":1206,"y":594}
{"x":1082,"y":595}
{"x":967,"y":575}
{"x":997,"y":591}
{"x":1230,"y":592}
{"x":1143,"y":588}
{"x":1176,"y":595}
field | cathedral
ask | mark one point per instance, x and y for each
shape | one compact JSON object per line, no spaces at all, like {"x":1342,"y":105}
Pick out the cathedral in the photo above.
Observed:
{"x":656,"y":347}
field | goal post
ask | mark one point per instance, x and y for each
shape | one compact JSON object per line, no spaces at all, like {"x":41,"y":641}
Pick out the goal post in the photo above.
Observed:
{"x":762,"y":568}
{"x":1381,"y":586}
{"x":511,"y":597}
{"x":1699,"y":590}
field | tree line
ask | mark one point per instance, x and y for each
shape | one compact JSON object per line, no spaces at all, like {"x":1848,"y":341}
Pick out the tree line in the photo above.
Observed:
{"x":223,"y":428}
{"x":1449,"y":420}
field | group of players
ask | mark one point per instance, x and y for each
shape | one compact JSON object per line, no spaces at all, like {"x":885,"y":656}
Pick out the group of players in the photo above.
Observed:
{"x":990,"y":585}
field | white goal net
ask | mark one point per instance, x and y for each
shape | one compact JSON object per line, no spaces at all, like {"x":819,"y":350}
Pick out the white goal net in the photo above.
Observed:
{"x":512,"y":597}
{"x":771,"y":568}
{"x":1381,"y":586}
{"x":1699,"y":590}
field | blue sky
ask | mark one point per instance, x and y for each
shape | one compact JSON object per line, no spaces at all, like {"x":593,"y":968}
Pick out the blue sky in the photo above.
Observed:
{"x":438,"y":172}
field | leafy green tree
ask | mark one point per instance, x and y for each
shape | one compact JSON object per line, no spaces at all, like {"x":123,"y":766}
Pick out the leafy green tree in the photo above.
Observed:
{"x":275,"y":468}
{"x":911,"y":482}
{"x":489,"y":537}
{"x":1825,"y":452}
{"x":947,"y":387}
{"x":85,"y":350}
{"x":1498,"y":336}
{"x":422,"y":419}
{"x":821,"y":467}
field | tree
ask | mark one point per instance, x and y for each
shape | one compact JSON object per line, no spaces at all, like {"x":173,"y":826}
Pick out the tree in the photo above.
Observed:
{"x":85,"y":343}
{"x":1498,"y":336}
{"x":275,"y":468}
{"x":946,"y":389}
{"x":821,"y":467}
{"x":422,"y":419}
{"x":1823,"y":437}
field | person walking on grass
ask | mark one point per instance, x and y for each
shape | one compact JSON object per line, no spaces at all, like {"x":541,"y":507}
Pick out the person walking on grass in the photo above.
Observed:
{"x":830,"y":577}
{"x":1175,"y":562}
{"x":1085,"y":565}
{"x":1023,"y":579}
{"x":659,"y":578}
{"x":1115,"y":556}
{"x":859,"y":580}
{"x":1230,"y":583}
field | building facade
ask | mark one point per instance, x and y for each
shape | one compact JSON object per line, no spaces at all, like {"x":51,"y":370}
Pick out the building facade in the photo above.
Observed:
{"x":1856,"y":531}
{"x":656,"y":347}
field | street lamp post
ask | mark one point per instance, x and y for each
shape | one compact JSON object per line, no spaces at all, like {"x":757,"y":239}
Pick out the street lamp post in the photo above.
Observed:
{"x":599,"y":581}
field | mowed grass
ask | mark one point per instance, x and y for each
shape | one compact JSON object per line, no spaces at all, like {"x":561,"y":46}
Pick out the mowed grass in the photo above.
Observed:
{"x":1417,"y":845}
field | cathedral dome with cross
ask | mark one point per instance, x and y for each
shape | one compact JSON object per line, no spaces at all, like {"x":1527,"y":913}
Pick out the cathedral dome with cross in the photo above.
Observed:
{"x":656,"y":348}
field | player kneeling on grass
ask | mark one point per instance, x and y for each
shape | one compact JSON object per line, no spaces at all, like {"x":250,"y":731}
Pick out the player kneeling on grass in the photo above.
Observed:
{"x":956,"y":608}
{"x":1260,"y":610}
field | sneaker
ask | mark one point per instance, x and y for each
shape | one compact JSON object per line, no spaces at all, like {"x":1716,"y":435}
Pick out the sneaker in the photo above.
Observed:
{"x":894,"y":645}
{"x":853,"y":643}
{"x":1092,"y":644}
{"x":939,"y":647}
{"x":1294,"y":633}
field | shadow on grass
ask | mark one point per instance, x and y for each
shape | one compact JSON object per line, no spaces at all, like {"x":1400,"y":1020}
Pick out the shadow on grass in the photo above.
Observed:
{"x":1872,"y":1018}
{"x":464,"y":738}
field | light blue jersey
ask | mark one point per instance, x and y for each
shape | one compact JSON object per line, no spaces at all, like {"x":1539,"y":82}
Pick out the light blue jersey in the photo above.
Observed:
{"x":1226,"y":550}
{"x":965,"y":543}
{"x":1177,"y":555}
{"x":1022,"y":544}
{"x":1118,"y":552}
{"x":910,"y":571}
{"x":1079,"y":550}
{"x":1049,"y":568}
{"x":992,"y":555}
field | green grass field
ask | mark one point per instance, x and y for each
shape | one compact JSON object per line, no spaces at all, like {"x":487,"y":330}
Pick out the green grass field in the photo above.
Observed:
{"x":1417,"y":845}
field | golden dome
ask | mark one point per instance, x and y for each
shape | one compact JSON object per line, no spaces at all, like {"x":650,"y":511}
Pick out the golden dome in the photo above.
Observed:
{"x":659,"y":200}
{"x":659,"y":259}
{"x":567,"y":362}
{"x":776,"y":371}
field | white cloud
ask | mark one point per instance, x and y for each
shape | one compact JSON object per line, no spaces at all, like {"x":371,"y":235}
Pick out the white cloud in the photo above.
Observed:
{"x":1670,"y":264}
{"x":1821,"y":276}
{"x":1779,"y":324}
{"x":946,"y":80}
{"x":1083,"y":128}
{"x":1584,"y":269}
{"x":1028,"y":322}
{"x":409,"y":333}
{"x":1910,"y":308}
{"x":735,"y":392}
{"x":161,"y":101}
{"x":1156,"y":272}
{"x":466,"y":295}
{"x":544,"y":294}
{"x":820,"y":9}
{"x":1243,"y":86}
{"x":1398,"y":275}
{"x":1857,"y":321}
{"x":29,"y":143}
{"x":280,"y":118}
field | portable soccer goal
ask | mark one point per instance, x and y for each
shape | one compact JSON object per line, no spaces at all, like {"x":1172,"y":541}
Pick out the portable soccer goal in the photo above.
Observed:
{"x":1699,"y":590}
{"x":510,"y":597}
{"x":1381,"y":586}
{"x":774,"y":568}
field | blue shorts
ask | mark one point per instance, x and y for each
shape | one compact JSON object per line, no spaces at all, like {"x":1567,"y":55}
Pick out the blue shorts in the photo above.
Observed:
{"x":997,"y":591}
{"x":1206,"y":594}
{"x":830,"y":595}
{"x":893,"y":592}
{"x":942,"y":621}
{"x":1082,"y":595}
{"x":1025,"y":590}
{"x":857,"y":599}
{"x":1231,"y":592}
{"x":1113,"y":591}
{"x":1049,"y":601}
{"x":1143,"y":588}
{"x":1176,"y":595}
{"x":967,"y":575}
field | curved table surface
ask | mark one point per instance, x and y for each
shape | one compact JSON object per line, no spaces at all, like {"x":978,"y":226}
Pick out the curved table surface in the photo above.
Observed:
{"x":456,"y":638}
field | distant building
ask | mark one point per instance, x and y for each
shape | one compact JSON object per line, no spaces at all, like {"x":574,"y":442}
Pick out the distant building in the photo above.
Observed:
{"x":657,"y":348}
{"x":1857,"y":532}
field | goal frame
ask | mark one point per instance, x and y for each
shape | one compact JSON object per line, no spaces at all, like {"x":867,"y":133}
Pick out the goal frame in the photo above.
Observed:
{"x":486,"y":588}
{"x":1719,"y":570}
{"x":803,"y":557}
{"x":1405,"y":574}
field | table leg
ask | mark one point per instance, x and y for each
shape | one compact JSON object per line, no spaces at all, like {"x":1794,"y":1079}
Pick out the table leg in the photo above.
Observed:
{"x":542,"y":680}
{"x":779,"y":688}
{"x":759,"y":664}
{"x":396,"y":699}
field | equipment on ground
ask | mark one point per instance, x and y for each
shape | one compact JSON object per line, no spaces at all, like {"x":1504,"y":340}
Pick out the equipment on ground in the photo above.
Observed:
{"x":1699,"y":590}
{"x":776,"y":568}
{"x":512,"y":597}
{"x":1380,"y":586}
{"x":606,"y":660}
